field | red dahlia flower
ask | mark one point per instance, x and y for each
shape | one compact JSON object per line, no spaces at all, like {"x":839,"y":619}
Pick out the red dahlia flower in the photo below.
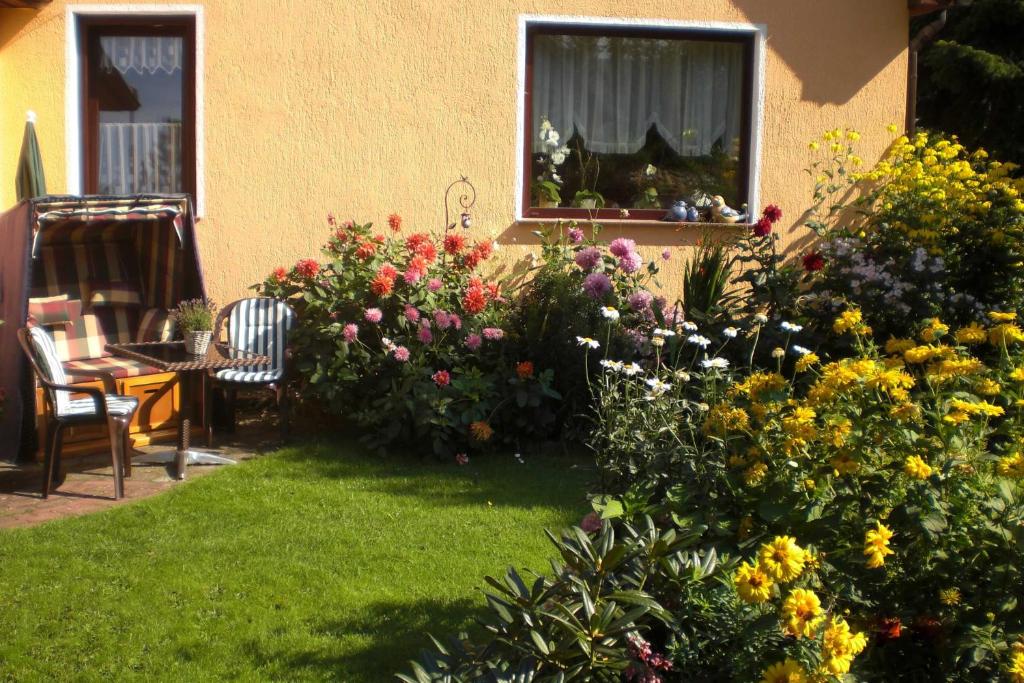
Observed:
{"x":524,"y":369}
{"x":813,"y":262}
{"x":441,"y":378}
{"x":365,"y":251}
{"x":395,"y":222}
{"x":454,"y":243}
{"x":475,"y":300}
{"x":763,"y":227}
{"x":381,"y":285}
{"x":307,"y":267}
{"x":773,"y":213}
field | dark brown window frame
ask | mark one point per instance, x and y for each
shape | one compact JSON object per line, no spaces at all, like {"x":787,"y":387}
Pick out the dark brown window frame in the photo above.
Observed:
{"x":746,"y":38}
{"x":182,"y":26}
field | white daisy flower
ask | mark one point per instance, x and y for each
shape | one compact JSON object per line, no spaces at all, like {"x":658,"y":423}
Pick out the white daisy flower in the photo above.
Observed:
{"x":689,"y":327}
{"x":631,"y":369}
{"x":716,"y":363}
{"x":730,"y":332}
{"x":700,"y":341}
{"x":791,"y":327}
{"x":387,"y":344}
{"x":657,"y":387}
{"x":658,"y":332}
{"x":799,"y":350}
{"x":760,"y":318}
{"x":613,"y":365}
{"x":587,"y":341}
{"x":682,"y":375}
{"x":610,"y":313}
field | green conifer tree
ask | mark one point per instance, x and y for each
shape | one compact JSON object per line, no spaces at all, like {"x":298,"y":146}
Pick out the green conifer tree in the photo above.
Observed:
{"x":972,"y":78}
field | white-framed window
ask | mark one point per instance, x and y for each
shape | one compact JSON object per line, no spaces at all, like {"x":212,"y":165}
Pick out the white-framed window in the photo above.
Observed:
{"x":636,"y":114}
{"x":134,"y":111}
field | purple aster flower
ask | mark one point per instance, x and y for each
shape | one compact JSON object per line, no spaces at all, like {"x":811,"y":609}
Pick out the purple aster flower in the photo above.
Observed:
{"x":473,"y":342}
{"x":350,"y":332}
{"x":640,"y":301}
{"x":622,"y":246}
{"x":373,"y":315}
{"x":631,"y":262}
{"x":596,"y":285}
{"x":493,"y":333}
{"x":588,"y":258}
{"x":575,"y":235}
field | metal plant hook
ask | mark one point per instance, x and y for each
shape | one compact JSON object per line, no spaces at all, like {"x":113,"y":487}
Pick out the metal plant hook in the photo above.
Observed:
{"x":467,"y":199}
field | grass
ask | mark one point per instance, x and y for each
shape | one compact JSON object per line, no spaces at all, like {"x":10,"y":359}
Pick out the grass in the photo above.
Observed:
{"x":309,"y":564}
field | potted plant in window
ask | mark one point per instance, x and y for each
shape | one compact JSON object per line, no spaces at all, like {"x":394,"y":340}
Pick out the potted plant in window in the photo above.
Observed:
{"x":194,"y":318}
{"x":648,"y":198}
{"x":587,"y":197}
{"x":545,"y":189}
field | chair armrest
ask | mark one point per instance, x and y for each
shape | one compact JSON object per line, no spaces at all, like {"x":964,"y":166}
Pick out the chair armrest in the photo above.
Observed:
{"x":109,"y":385}
{"x":92,"y":392}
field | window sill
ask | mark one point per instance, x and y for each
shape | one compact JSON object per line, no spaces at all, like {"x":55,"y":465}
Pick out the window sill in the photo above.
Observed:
{"x":632,"y":222}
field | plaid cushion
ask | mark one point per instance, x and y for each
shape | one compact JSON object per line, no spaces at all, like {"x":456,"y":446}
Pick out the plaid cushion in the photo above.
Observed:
{"x":116,"y":294}
{"x":118,"y":367}
{"x":53,"y":310}
{"x":157,"y":325}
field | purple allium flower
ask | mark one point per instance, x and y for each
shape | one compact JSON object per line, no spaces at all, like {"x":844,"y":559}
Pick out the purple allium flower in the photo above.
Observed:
{"x":596,"y":285}
{"x":588,"y":258}
{"x":434,"y":284}
{"x":575,"y":235}
{"x":640,"y":301}
{"x":401,"y":354}
{"x":350,"y":332}
{"x":456,"y":320}
{"x":666,"y":254}
{"x":622,"y":246}
{"x":473,"y":342}
{"x":493,"y":333}
{"x":631,"y":262}
{"x":412,"y":314}
{"x":373,"y":315}
{"x":659,"y":303}
{"x":442,"y":319}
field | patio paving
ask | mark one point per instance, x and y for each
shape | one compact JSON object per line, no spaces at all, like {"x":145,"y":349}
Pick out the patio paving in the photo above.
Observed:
{"x":89,"y":483}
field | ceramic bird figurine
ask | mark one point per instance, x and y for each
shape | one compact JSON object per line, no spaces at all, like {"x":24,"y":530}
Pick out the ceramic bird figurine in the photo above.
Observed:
{"x":677,"y":213}
{"x":692,"y":214}
{"x":721,"y":213}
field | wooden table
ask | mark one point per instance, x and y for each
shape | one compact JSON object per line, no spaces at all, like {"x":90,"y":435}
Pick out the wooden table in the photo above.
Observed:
{"x":172,"y":357}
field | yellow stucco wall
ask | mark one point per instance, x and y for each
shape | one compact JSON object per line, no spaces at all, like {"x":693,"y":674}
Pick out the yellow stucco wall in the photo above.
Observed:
{"x":364,"y":108}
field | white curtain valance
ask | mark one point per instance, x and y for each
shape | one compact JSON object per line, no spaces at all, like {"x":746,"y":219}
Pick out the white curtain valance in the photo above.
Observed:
{"x":142,"y":54}
{"x":611,"y":90}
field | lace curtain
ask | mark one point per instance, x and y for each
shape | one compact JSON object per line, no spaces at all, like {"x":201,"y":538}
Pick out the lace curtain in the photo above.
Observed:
{"x":141,"y":54}
{"x":140,"y":158}
{"x":611,"y":90}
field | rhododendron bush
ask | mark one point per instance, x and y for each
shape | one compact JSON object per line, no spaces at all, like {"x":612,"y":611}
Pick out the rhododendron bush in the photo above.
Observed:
{"x":401,"y":334}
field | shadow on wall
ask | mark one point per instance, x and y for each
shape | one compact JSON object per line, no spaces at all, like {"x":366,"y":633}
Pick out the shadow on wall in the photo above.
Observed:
{"x":12,"y":21}
{"x":833,"y":48}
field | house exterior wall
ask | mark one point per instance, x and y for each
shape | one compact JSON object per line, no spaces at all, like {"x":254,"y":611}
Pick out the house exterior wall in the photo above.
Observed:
{"x":368,"y":108}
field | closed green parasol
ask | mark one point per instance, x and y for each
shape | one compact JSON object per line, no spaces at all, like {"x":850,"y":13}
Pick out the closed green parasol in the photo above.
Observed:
{"x":30,"y":180}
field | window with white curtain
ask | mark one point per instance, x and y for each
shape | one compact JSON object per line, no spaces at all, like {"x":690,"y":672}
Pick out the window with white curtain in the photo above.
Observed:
{"x":621,"y":118}
{"x":138,"y":118}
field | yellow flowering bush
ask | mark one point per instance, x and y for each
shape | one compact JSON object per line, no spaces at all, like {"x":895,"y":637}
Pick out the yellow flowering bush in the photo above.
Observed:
{"x":932,"y":230}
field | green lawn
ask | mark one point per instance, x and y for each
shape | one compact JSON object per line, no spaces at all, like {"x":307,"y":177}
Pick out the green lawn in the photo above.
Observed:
{"x":313,"y":564}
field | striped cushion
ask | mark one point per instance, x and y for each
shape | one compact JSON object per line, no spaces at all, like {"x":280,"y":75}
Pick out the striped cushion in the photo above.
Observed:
{"x":261,"y":326}
{"x":157,"y":325}
{"x":118,"y":367}
{"x":54,"y":310}
{"x":116,"y":294}
{"x":116,"y":405}
{"x":248,"y":376}
{"x":49,"y":363}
